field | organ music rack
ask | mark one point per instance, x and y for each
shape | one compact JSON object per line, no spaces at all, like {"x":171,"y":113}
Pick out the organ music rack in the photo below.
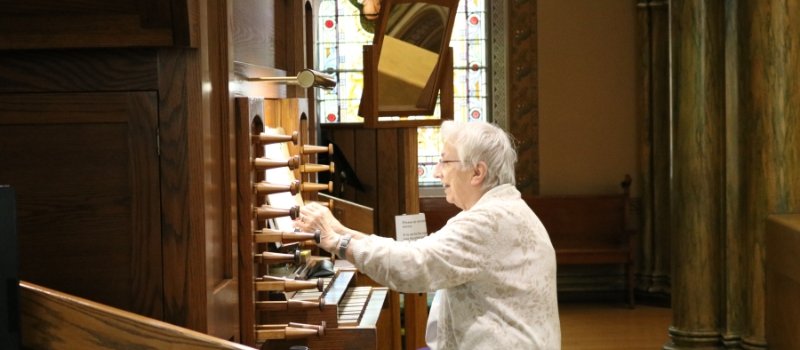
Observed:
{"x":280,"y":311}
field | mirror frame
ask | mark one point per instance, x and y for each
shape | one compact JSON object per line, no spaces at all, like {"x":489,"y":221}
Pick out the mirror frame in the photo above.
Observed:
{"x":441,"y":79}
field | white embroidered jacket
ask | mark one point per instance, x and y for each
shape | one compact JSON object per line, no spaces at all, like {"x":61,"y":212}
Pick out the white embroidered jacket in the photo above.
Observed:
{"x":495,"y":266}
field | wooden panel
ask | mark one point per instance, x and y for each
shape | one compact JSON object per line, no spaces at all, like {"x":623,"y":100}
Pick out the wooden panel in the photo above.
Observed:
{"x":254,"y":32}
{"x":243,"y":86}
{"x":185,"y":13}
{"x":182,"y":181}
{"x":55,"y":320}
{"x":9,"y":269}
{"x":388,"y":202}
{"x":292,"y":111}
{"x":783,"y":281}
{"x":220,"y":209}
{"x":78,"y":70}
{"x":289,"y":40}
{"x":344,"y":151}
{"x":85,"y":168}
{"x":352,"y":215}
{"x":581,"y":221}
{"x":37,"y":24}
{"x":409,"y":179}
{"x":437,"y":212}
{"x":248,"y":122}
{"x":345,"y":158}
{"x":366,"y":163}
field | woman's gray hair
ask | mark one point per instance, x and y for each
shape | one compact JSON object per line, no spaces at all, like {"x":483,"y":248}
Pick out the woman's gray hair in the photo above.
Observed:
{"x":480,"y":141}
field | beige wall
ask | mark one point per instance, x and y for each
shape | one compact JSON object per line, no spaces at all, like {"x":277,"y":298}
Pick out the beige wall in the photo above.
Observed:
{"x":588,"y":126}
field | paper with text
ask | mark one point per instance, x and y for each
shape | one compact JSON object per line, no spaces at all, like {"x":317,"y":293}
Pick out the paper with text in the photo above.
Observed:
{"x":410,"y":227}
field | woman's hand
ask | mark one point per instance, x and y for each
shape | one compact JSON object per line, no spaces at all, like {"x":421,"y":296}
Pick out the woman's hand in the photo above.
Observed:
{"x":313,"y":217}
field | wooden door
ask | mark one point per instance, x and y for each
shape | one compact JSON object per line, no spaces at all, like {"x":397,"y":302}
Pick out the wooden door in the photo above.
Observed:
{"x":85,"y":170}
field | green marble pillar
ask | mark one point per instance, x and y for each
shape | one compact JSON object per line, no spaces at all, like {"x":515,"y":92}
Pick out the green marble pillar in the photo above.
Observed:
{"x":736,"y":159}
{"x":734,"y":281}
{"x":698,"y":90}
{"x":769,"y":73}
{"x":654,"y":149}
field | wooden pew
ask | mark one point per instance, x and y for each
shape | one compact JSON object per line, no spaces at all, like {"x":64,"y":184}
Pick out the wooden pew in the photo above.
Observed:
{"x":590,"y":230}
{"x":55,"y":320}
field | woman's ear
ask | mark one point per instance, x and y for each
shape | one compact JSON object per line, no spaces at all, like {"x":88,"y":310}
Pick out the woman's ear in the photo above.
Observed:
{"x":479,"y":173}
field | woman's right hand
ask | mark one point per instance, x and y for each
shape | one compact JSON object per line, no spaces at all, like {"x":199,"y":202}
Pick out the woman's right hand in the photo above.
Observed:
{"x":313,"y":217}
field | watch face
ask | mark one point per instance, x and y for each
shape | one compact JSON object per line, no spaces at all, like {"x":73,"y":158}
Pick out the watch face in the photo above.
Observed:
{"x":343,"y":243}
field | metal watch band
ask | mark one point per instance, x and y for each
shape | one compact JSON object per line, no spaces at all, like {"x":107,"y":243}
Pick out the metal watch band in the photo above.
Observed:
{"x":341,"y":252}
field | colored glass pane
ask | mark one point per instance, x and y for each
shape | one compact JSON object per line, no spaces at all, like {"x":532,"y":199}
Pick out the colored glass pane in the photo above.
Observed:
{"x":341,"y":35}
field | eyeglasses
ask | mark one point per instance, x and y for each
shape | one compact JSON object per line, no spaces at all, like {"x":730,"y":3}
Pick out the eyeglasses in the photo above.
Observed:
{"x":443,"y":161}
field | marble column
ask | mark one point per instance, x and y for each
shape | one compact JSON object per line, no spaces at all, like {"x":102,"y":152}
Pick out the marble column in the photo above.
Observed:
{"x":769,"y":124}
{"x":653,"y":108}
{"x":698,"y":91}
{"x":735,"y":279}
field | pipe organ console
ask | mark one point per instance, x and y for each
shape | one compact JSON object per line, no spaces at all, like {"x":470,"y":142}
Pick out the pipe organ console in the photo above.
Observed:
{"x":287,"y":295}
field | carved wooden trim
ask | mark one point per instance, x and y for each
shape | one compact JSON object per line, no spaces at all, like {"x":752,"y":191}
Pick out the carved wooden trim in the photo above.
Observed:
{"x":498,"y":41}
{"x":523,"y":92}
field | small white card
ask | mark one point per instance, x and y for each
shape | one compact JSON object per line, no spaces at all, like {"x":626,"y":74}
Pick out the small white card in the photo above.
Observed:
{"x":410,"y":227}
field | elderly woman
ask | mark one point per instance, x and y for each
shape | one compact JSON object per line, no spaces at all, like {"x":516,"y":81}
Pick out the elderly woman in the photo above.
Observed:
{"x":493,"y":265}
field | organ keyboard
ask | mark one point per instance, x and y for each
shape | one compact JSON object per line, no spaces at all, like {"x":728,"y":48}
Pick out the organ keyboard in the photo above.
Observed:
{"x":349,"y":312}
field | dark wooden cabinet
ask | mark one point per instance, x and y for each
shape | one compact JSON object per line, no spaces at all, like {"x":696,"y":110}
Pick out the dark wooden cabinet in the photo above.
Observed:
{"x":113,"y":128}
{"x":47,"y":24}
{"x":85,"y":169}
{"x":117,"y":133}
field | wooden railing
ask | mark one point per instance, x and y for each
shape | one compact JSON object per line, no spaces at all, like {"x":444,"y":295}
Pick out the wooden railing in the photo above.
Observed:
{"x":55,"y":320}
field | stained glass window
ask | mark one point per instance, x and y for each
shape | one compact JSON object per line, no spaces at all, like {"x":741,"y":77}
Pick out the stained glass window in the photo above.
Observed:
{"x":342,"y":32}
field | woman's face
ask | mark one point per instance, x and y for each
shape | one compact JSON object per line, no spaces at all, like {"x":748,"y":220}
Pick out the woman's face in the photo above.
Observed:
{"x":455,"y":179}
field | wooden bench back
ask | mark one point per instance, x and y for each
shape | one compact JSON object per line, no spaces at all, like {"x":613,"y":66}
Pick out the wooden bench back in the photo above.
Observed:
{"x":583,"y":222}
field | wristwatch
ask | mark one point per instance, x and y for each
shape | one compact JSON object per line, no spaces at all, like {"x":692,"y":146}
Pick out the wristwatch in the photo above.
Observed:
{"x":341,"y":249}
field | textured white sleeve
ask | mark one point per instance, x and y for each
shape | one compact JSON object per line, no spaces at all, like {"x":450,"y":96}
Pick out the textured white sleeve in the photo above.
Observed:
{"x":449,"y":257}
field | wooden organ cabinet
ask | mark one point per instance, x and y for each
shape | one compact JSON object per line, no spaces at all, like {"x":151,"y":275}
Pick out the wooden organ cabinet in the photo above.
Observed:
{"x":282,"y":303}
{"x":136,"y":190}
